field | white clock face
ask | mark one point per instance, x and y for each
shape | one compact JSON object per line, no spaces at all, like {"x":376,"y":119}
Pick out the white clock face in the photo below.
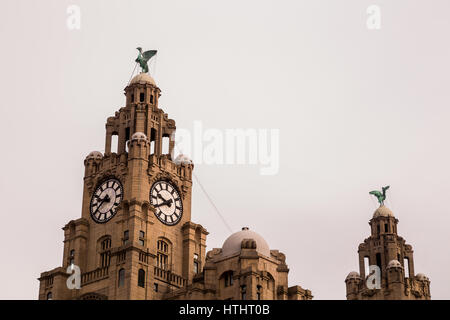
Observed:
{"x":167,"y":202}
{"x":105,"y":200}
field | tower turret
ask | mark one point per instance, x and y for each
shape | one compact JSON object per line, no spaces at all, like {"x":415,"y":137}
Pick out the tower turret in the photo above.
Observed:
{"x":392,"y":255}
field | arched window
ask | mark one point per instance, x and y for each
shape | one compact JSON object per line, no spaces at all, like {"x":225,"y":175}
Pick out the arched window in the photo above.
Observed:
{"x":141,"y":278}
{"x":49,"y":296}
{"x":106,"y":243}
{"x":162,"y":257}
{"x":104,"y":248}
{"x":121,"y":281}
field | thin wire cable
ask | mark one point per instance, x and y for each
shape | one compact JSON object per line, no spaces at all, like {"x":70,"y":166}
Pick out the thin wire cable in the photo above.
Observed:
{"x":207,"y":196}
{"x":132,"y":72}
{"x":212,"y":203}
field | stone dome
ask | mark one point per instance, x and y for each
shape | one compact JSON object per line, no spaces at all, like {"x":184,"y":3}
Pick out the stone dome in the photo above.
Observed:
{"x":143,"y":78}
{"x":353,"y":276}
{"x":233,"y":244}
{"x":182,"y":159}
{"x":97,"y":155}
{"x":138,"y":136}
{"x":383,"y":211}
{"x":421,"y":276}
{"x":394,"y":264}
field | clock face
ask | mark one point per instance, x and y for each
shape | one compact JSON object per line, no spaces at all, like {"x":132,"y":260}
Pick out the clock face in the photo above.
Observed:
{"x":167,"y":202}
{"x":105,"y":200}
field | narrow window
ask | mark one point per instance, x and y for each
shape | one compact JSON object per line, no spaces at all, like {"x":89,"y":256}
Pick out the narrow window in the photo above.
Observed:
{"x":196,"y":263}
{"x":366,"y":265}
{"x":126,"y":236}
{"x":72,"y":257}
{"x":121,"y":277}
{"x":378,"y":256}
{"x":244,"y":292}
{"x":49,"y":296}
{"x":228,"y":279}
{"x":105,"y":259}
{"x":127,"y":138}
{"x":195,"y":267}
{"x":385,"y":227}
{"x":155,"y":287}
{"x":162,"y":257}
{"x":378,"y":229}
{"x":132,"y":97}
{"x":141,"y":238}
{"x":141,"y":278}
{"x":142,"y":97}
{"x":165,"y":145}
{"x":406,"y":267}
{"x":152,"y":140}
{"x":258,"y":292}
{"x":151,"y":99}
{"x":152,"y":147}
{"x":114,"y":142}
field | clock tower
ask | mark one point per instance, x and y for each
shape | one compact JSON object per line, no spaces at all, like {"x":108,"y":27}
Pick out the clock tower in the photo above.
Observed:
{"x":135,"y":238}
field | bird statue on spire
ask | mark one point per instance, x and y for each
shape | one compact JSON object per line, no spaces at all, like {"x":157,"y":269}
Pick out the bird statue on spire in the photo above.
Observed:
{"x":143,"y":58}
{"x":381,"y":195}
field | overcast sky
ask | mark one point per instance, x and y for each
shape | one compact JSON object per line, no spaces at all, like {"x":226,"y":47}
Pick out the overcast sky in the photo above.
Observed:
{"x":356,"y":109}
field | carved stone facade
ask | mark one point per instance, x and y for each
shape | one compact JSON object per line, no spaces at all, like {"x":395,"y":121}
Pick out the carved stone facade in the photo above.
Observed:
{"x":133,"y":253}
{"x":387,"y":250}
{"x":243,"y":269}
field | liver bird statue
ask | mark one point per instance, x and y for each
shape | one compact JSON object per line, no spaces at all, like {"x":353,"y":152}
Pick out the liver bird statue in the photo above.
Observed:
{"x":144,"y":57}
{"x":381,"y":195}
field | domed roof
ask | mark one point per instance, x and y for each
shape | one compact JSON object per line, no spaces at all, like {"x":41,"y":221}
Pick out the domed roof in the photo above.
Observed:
{"x":138,"y":136}
{"x":143,"y":78}
{"x":97,"y":155}
{"x":353,"y":276}
{"x":182,"y":159}
{"x":421,"y":276}
{"x":383,"y":211}
{"x":394,"y":264}
{"x":233,"y":244}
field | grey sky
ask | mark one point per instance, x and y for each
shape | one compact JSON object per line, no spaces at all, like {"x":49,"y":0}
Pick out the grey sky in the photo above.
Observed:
{"x":356,"y":109}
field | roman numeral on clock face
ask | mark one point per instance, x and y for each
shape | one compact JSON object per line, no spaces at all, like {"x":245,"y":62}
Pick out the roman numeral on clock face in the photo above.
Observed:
{"x":105,"y":199}
{"x":167,"y":202}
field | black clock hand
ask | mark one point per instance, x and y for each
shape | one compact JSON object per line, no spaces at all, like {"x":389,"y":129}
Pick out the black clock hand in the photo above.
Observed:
{"x":165,"y":203}
{"x":101,"y":202}
{"x":160,"y":196}
{"x":105,"y":199}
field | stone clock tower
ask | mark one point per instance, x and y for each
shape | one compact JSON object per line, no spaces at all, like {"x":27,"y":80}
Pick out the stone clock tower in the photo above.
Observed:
{"x":135,"y":238}
{"x":394,"y":258}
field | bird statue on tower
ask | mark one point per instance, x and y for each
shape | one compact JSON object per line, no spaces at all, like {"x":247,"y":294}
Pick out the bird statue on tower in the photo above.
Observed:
{"x":143,"y":58}
{"x":381,"y":195}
